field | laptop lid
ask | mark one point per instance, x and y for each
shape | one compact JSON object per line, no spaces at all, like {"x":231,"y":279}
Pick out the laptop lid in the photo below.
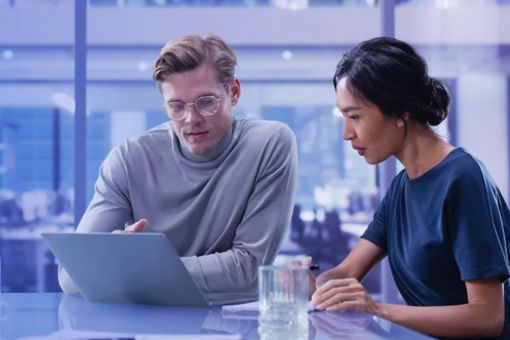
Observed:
{"x":125,"y":268}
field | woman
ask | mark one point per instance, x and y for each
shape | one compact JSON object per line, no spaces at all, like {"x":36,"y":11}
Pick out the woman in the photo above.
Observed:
{"x":443,"y":223}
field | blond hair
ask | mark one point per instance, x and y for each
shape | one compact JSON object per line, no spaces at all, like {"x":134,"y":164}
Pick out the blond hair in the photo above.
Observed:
{"x":189,"y":52}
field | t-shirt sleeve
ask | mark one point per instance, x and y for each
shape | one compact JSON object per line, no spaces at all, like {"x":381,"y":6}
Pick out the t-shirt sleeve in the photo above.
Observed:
{"x":477,"y":224}
{"x":377,"y":229}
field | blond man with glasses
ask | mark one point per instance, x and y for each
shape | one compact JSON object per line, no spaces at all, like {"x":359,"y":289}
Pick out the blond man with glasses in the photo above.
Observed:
{"x":221,"y":188}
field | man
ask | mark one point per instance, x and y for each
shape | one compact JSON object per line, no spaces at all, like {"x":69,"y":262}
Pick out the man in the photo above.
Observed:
{"x":220,"y":188}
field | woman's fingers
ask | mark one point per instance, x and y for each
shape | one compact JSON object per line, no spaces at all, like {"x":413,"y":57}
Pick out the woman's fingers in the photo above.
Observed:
{"x":332,"y":301}
{"x":341,"y":294}
{"x":336,"y":284}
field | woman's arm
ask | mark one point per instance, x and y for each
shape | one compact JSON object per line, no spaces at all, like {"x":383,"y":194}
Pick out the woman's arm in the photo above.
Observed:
{"x":357,"y":264}
{"x":483,"y":315}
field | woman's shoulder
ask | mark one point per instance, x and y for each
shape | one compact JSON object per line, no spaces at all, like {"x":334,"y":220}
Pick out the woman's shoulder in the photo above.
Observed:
{"x":463,"y":164}
{"x":465,"y":169}
{"x":458,"y":167}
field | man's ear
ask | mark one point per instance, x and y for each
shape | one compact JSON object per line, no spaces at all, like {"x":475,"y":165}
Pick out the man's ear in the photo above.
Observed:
{"x":402,"y":120}
{"x":235,"y":91}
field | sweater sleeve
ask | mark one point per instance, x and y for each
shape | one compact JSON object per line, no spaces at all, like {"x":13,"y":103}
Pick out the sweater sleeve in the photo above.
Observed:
{"x":262,"y":228}
{"x":110,"y":206}
{"x":108,"y":210}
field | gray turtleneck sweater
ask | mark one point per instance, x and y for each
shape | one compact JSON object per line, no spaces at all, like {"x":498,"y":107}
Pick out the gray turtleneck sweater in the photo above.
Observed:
{"x":225,"y":212}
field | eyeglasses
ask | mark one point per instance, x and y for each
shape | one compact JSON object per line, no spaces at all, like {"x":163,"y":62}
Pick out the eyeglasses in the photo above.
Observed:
{"x":205,"y":105}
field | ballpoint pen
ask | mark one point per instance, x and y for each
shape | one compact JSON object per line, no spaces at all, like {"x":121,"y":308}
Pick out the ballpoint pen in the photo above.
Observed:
{"x":314,"y":267}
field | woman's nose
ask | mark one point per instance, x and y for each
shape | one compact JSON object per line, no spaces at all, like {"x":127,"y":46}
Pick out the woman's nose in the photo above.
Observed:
{"x":348,"y":132}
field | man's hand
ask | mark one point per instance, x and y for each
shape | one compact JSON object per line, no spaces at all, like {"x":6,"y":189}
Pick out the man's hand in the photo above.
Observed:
{"x":136,"y":227}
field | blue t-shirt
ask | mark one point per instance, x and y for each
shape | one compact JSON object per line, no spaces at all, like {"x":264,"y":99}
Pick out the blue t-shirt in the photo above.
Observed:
{"x":445,"y":227}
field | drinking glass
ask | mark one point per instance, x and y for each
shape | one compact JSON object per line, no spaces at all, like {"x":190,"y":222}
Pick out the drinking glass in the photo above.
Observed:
{"x":283,"y":302}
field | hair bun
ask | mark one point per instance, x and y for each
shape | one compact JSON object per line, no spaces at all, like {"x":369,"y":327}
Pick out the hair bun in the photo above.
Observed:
{"x":438,"y":101}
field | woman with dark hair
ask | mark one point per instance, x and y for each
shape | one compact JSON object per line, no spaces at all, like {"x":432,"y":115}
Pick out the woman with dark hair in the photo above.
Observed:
{"x":443,"y":223}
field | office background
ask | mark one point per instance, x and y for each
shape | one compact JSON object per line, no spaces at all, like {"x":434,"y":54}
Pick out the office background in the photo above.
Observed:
{"x":56,"y":126}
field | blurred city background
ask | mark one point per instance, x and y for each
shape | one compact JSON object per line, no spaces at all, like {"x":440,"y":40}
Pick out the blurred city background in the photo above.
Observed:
{"x":287,"y":51}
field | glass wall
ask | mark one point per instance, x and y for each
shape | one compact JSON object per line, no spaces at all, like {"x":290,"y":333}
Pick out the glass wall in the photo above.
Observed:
{"x":476,"y":64}
{"x":36,"y":148}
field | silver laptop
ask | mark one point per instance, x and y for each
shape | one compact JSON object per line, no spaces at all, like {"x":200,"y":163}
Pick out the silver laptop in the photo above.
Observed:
{"x":126,"y":268}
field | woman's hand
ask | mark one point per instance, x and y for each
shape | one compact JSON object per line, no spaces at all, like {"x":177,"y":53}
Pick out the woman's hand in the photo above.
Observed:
{"x":307,"y":262}
{"x":342,"y":294}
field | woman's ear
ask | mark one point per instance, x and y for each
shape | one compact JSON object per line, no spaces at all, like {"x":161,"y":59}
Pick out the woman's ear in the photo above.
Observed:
{"x":235,"y":91}
{"x":402,"y":120}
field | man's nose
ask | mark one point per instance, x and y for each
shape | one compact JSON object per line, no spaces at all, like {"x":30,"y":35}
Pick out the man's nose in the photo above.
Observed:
{"x":192,"y":114}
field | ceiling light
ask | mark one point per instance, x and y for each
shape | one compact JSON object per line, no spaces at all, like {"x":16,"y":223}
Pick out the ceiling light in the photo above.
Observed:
{"x":287,"y":55}
{"x":8,"y":54}
{"x":143,"y":66}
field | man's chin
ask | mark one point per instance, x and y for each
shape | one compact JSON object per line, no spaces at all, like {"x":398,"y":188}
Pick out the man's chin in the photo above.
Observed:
{"x":198,"y":149}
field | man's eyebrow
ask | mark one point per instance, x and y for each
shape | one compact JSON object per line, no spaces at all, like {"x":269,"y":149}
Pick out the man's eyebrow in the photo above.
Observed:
{"x":205,"y":94}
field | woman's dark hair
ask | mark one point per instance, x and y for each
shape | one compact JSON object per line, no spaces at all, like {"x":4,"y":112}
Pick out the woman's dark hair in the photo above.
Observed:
{"x":389,"y":73}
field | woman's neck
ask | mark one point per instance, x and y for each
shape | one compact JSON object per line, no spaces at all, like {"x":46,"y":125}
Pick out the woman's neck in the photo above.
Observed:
{"x":421,"y":150}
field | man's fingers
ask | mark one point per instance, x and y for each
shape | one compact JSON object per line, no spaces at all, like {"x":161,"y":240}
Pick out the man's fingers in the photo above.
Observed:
{"x":307,"y":261}
{"x":137,"y":226}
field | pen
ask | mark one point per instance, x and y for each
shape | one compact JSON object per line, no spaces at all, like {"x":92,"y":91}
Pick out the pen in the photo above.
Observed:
{"x":314,"y":267}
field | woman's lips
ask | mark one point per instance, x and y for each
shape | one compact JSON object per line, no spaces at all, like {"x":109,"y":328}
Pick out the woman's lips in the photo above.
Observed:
{"x":361,"y":151}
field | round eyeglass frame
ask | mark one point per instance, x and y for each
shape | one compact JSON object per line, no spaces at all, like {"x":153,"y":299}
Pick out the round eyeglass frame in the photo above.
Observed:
{"x":186,"y":111}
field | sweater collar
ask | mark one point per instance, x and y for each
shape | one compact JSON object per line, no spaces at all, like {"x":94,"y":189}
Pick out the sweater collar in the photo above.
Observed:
{"x":210,"y":155}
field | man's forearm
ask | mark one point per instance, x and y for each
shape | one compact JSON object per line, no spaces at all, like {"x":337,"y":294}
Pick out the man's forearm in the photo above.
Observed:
{"x":222,"y":271}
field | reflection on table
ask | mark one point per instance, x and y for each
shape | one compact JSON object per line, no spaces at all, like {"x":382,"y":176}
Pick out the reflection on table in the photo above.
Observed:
{"x":43,"y":314}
